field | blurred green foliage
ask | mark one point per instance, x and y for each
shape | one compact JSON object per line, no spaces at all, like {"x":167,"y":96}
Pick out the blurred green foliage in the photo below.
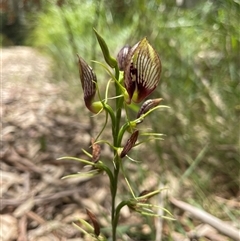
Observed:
{"x":199,"y":49}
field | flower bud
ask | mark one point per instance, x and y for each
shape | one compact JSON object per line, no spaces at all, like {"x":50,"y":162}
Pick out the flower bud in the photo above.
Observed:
{"x":108,"y":58}
{"x":142,"y":71}
{"x":88,"y":81}
{"x":148,"y":105}
{"x":121,"y":57}
{"x":95,"y":223}
{"x":130,"y":143}
{"x":143,"y":193}
{"x":96,"y":151}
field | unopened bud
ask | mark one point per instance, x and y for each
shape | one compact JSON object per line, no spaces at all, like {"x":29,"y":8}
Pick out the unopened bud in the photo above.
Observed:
{"x":94,"y":222}
{"x":121,"y":57}
{"x":130,"y":143}
{"x":108,"y":58}
{"x":96,"y":151}
{"x":148,"y":105}
{"x":143,"y":193}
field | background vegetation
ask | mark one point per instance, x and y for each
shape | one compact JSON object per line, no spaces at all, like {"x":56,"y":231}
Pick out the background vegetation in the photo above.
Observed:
{"x":199,"y":48}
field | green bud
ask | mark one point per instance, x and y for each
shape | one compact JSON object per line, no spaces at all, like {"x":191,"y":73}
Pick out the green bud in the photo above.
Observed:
{"x":108,"y":58}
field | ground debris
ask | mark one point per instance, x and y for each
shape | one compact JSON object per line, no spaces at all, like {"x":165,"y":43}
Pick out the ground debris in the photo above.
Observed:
{"x":39,"y":125}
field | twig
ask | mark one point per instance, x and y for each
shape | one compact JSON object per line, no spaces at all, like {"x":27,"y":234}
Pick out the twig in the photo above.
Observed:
{"x":32,"y":215}
{"x":57,"y":233}
{"x":22,"y":229}
{"x":19,"y":162}
{"x":205,"y":217}
{"x":41,"y":198}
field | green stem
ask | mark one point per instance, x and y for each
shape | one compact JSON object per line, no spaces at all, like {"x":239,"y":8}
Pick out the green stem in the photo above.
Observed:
{"x":113,"y":119}
{"x":114,"y":192}
{"x":117,"y":212}
{"x":119,"y":105}
{"x":115,"y":132}
{"x":122,"y":131}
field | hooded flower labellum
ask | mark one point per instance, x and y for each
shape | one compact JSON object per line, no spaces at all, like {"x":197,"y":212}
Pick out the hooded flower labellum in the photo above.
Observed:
{"x":142,"y":71}
{"x":88,"y":81}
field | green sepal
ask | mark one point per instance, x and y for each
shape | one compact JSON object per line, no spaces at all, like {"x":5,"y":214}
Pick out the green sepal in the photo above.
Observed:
{"x":112,"y":62}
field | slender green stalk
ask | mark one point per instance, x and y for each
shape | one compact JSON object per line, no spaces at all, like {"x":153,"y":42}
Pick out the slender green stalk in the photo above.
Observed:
{"x":117,"y":211}
{"x":119,"y":103}
{"x":114,"y":192}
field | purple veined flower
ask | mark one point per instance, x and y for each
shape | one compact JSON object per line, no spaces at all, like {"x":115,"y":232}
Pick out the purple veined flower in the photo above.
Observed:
{"x":142,"y":71}
{"x":88,"y":81}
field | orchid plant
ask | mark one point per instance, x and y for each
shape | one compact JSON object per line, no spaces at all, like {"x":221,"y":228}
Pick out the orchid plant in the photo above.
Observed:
{"x":134,"y":74}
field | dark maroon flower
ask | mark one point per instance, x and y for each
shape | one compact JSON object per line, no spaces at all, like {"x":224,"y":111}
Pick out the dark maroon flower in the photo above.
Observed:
{"x":88,"y":81}
{"x":130,"y":143}
{"x":142,"y":71}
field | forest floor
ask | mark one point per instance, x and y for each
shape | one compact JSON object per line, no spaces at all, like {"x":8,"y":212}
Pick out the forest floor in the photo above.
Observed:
{"x":39,"y":125}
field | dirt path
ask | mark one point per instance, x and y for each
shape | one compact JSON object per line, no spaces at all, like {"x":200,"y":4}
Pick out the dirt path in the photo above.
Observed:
{"x":39,"y":125}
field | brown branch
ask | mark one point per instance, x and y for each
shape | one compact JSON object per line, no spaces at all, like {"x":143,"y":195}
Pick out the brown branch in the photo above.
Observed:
{"x":22,"y":229}
{"x":21,"y":163}
{"x":40,"y":199}
{"x":205,"y":217}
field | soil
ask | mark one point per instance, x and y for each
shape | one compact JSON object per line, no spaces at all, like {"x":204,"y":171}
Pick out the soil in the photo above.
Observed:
{"x":39,"y":125}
